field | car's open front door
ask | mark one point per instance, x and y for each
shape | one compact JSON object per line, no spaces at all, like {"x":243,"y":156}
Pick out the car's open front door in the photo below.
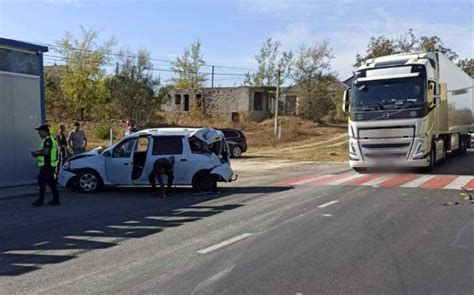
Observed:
{"x":119,"y":165}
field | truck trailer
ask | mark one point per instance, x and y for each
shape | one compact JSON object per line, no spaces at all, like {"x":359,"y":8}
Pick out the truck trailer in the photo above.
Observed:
{"x":408,"y":110}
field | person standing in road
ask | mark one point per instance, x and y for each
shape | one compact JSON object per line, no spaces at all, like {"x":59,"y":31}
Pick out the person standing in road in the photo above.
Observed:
{"x":130,"y":128}
{"x":62,"y":146}
{"x":162,"y":166}
{"x":47,"y":160}
{"x":77,"y":140}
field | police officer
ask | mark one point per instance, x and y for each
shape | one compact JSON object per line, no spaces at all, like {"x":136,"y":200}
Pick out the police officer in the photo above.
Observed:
{"x":47,"y":160}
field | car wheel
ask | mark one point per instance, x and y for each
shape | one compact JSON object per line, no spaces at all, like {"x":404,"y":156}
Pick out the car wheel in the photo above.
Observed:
{"x":236,"y":152}
{"x":89,"y":181}
{"x":204,"y":182}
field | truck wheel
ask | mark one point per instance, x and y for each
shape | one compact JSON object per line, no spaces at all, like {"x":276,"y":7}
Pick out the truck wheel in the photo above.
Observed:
{"x":463,"y":146}
{"x":204,"y":182}
{"x":89,"y":181}
{"x":236,"y":152}
{"x":359,"y":169}
{"x":432,"y":156}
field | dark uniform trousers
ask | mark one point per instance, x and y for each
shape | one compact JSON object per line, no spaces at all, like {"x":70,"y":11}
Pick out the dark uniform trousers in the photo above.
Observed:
{"x":46,"y":178}
{"x":153,"y":176}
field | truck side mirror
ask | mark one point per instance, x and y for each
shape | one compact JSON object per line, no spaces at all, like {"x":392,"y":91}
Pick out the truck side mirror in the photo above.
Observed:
{"x":345,"y":101}
{"x":435,"y":87}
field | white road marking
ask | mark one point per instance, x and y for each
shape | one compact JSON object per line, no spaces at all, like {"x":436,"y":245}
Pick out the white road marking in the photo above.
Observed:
{"x":378,"y":180}
{"x":224,"y":243}
{"x":328,"y":204}
{"x":327,"y":215}
{"x":459,"y":182}
{"x":419,"y":181}
{"x":345,"y":179}
{"x":41,"y":243}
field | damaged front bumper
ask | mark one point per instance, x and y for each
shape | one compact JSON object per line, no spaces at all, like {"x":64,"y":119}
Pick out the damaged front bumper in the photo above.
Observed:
{"x":66,"y":178}
{"x":223,"y":172}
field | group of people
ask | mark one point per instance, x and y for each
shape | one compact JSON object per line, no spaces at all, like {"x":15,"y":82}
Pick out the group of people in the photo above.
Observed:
{"x":53,"y":153}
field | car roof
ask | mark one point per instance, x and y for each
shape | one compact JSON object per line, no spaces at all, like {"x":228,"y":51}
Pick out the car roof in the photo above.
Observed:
{"x":166,"y":131}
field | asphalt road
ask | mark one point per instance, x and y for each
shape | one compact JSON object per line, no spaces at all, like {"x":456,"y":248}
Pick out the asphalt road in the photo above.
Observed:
{"x":256,"y":236}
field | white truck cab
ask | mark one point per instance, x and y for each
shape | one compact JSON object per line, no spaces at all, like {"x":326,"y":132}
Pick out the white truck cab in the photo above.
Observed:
{"x":201,"y":160}
{"x":408,"y":110}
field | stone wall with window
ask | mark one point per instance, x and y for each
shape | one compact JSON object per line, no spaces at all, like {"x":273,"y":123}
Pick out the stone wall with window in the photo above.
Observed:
{"x":232,"y":102}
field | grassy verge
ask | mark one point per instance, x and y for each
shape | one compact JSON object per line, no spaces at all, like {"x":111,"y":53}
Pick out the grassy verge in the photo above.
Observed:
{"x":301,"y":140}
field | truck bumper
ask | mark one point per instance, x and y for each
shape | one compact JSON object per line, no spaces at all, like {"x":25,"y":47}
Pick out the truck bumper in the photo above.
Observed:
{"x":396,"y":164}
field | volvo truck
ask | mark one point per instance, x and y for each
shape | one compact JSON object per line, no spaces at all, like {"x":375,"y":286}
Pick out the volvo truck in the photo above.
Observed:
{"x":408,"y":110}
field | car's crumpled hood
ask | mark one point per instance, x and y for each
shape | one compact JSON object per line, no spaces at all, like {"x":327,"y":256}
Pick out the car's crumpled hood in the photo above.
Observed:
{"x":208,"y":135}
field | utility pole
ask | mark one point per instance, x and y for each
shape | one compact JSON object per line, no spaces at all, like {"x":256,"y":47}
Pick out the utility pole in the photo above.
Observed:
{"x":277,"y":100}
{"x":212,"y":77}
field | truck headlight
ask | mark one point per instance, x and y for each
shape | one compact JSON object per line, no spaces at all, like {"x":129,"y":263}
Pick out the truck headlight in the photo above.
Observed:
{"x":353,"y":152}
{"x":420,"y":150}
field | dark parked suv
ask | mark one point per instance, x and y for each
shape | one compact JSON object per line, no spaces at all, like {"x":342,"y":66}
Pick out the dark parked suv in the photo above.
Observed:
{"x":236,"y":141}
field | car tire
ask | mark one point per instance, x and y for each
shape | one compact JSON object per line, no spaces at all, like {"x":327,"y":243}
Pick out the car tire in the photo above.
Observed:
{"x":89,"y":181}
{"x":236,"y":152}
{"x":204,"y":182}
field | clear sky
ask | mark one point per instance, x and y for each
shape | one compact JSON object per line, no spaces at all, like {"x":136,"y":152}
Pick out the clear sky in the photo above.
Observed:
{"x":231,"y":32}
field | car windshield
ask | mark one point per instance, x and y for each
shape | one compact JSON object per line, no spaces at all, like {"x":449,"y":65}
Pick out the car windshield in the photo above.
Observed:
{"x":388,"y":94}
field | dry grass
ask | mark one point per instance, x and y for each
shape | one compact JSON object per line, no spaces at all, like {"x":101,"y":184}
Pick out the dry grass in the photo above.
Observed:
{"x":301,"y":140}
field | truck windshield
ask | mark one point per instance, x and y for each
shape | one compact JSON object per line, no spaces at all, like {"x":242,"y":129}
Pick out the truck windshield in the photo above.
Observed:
{"x":407,"y":93}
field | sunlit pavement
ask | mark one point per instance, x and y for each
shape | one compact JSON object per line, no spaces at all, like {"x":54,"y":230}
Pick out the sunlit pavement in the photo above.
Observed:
{"x":310,"y":228}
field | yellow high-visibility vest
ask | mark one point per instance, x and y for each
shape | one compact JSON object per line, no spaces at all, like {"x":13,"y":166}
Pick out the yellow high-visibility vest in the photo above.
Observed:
{"x":53,"y":153}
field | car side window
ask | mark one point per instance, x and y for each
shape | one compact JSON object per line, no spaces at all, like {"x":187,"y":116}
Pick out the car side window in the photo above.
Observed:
{"x":167,"y":145}
{"x":124,"y":149}
{"x":230,"y":134}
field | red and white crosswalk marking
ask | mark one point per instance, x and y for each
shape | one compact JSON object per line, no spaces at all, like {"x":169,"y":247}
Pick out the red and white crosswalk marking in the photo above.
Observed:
{"x":453,"y":182}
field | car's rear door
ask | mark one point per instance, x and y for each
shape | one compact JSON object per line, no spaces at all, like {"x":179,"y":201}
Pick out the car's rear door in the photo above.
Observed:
{"x":167,"y":146}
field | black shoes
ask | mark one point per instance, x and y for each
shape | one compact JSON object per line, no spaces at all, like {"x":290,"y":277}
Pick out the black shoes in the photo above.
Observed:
{"x":37,"y":204}
{"x":54,"y":203}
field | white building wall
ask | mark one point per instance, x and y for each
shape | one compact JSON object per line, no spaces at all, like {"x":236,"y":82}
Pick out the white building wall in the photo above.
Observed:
{"x":20,"y":114}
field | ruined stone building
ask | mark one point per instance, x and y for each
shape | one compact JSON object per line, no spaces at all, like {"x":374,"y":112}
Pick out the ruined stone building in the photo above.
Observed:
{"x":257,"y":103}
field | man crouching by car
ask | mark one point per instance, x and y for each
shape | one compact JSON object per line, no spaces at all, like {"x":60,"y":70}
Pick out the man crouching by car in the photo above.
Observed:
{"x":162,"y":166}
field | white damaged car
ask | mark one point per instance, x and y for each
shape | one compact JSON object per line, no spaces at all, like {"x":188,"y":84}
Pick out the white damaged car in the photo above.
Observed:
{"x":201,"y":160}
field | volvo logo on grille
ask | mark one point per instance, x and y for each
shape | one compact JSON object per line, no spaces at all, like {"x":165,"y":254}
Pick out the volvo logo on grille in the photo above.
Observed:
{"x":386,"y":115}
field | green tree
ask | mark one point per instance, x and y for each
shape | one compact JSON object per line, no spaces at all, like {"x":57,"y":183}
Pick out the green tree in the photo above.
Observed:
{"x":379,"y":46}
{"x":187,"y":68}
{"x":408,"y":42}
{"x":57,"y":104}
{"x":312,"y":75}
{"x":270,"y":61}
{"x":467,"y":65}
{"x":432,"y":43}
{"x":133,"y":86}
{"x":83,"y":81}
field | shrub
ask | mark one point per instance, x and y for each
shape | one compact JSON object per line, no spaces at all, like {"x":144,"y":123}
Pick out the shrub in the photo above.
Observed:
{"x":102,"y":131}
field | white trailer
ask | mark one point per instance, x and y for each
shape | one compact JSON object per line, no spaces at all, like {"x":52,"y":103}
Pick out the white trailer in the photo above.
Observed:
{"x":408,"y":110}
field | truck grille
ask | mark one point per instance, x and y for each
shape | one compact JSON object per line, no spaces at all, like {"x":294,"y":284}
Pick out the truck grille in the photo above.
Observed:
{"x":386,"y":143}
{"x":391,"y":132}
